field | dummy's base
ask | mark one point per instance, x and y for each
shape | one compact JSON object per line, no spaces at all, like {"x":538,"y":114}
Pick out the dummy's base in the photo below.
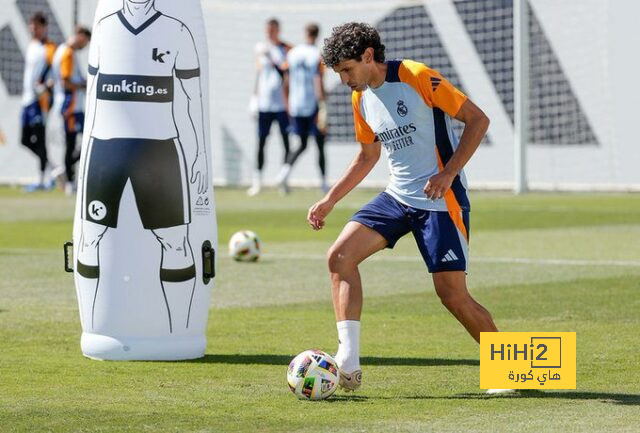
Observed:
{"x":106,"y":348}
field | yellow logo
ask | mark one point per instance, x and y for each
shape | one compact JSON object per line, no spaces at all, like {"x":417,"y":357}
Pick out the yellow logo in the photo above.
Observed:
{"x":528,"y":360}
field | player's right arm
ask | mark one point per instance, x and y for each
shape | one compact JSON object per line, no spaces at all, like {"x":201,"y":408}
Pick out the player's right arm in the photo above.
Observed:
{"x":93,"y":69}
{"x":66,"y":72}
{"x":321,"y":97}
{"x":259,"y":51}
{"x":361,"y":165}
{"x":44,"y":82}
{"x":366,"y":158}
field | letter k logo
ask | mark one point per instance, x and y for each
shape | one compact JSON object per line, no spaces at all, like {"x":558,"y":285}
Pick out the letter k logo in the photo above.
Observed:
{"x":94,"y":210}
{"x":97,"y":210}
{"x":157,"y":57}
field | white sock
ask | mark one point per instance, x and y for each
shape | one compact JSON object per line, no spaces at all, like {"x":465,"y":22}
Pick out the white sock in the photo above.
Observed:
{"x":283,"y":176}
{"x":323,"y":184}
{"x":348,"y":356}
{"x":257,"y":179}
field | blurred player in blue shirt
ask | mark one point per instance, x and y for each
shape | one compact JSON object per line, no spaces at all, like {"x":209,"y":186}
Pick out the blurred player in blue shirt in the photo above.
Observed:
{"x":307,"y":107}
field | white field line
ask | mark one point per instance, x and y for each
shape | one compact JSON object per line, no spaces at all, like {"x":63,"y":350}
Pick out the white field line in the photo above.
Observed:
{"x":398,"y":258}
{"x":516,"y":260}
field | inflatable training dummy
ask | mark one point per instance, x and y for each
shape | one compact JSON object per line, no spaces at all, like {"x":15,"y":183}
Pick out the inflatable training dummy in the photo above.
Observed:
{"x":144,"y":234}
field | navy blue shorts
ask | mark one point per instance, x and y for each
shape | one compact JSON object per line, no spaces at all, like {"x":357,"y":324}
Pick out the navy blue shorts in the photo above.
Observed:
{"x":306,"y":125}
{"x":266,"y":118}
{"x":156,"y":170}
{"x":73,"y":123}
{"x":442,"y":241}
{"x":73,"y":120}
{"x":32,"y":115}
{"x":32,"y":126}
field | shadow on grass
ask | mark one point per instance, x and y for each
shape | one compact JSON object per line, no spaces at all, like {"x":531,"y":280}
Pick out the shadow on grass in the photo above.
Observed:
{"x":347,"y":398}
{"x":367,"y":360}
{"x":603,"y":397}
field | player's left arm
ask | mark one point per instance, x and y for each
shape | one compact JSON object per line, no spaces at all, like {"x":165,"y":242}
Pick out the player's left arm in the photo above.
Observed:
{"x":318,"y":82}
{"x":285,"y":85}
{"x":283,"y":70}
{"x":188,"y":72}
{"x":476,"y":124}
{"x":321,"y":95}
{"x":199,"y":170}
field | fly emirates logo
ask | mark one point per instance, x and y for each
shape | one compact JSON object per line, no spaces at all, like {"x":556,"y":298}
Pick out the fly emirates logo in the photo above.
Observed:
{"x":397,"y":138}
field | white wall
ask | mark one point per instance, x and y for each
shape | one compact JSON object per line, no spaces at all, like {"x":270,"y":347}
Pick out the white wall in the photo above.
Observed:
{"x":591,"y":38}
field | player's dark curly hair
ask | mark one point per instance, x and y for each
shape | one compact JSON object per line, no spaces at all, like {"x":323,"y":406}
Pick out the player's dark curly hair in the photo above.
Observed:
{"x":348,"y":41}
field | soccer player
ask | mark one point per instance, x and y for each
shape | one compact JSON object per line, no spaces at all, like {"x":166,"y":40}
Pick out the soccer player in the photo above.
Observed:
{"x":270,"y":93}
{"x":307,"y":106}
{"x":137,"y":56}
{"x":68,"y":96}
{"x":406,"y":108}
{"x":35,"y":95}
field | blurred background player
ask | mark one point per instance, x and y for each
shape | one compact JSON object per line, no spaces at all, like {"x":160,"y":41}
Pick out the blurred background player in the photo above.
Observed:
{"x":270,"y":94}
{"x":68,"y":99}
{"x":307,"y":106}
{"x":405,"y":107}
{"x":36,"y":96}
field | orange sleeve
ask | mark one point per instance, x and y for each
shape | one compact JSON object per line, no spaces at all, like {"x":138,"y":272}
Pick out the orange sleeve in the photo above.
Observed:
{"x":66,"y":64}
{"x":50,"y":50}
{"x":435,"y":90}
{"x":364,"y":134}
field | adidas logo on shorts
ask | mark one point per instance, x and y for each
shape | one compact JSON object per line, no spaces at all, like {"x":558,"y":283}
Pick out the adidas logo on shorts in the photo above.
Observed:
{"x":449,"y":257}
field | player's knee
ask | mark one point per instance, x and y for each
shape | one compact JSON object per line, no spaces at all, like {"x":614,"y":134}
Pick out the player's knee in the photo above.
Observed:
{"x":338,"y":260}
{"x":90,"y":242}
{"x":453,"y":298}
{"x":173,"y":241}
{"x":91,"y":235}
{"x":172,"y":245}
{"x":453,"y":303}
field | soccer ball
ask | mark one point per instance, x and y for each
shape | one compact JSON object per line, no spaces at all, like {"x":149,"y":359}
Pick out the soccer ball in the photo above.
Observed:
{"x":244,"y":246}
{"x":313,"y":375}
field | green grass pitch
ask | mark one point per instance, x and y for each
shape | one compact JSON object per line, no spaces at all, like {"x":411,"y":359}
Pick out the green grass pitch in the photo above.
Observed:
{"x":541,"y":262}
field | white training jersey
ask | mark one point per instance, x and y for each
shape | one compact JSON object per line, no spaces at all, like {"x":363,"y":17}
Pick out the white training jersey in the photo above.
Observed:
{"x":65,"y":66}
{"x":410,"y":115}
{"x":134,"y":72}
{"x":271,"y":64}
{"x":37,"y":61}
{"x":304,"y":65}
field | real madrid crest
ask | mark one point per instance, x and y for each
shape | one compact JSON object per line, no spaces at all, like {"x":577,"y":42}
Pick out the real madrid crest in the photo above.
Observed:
{"x":402,"y":109}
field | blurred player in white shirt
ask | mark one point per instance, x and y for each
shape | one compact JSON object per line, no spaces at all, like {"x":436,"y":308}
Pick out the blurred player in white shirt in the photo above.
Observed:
{"x":307,"y":106}
{"x":68,"y":96}
{"x":35,"y":96}
{"x":270,"y":93}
